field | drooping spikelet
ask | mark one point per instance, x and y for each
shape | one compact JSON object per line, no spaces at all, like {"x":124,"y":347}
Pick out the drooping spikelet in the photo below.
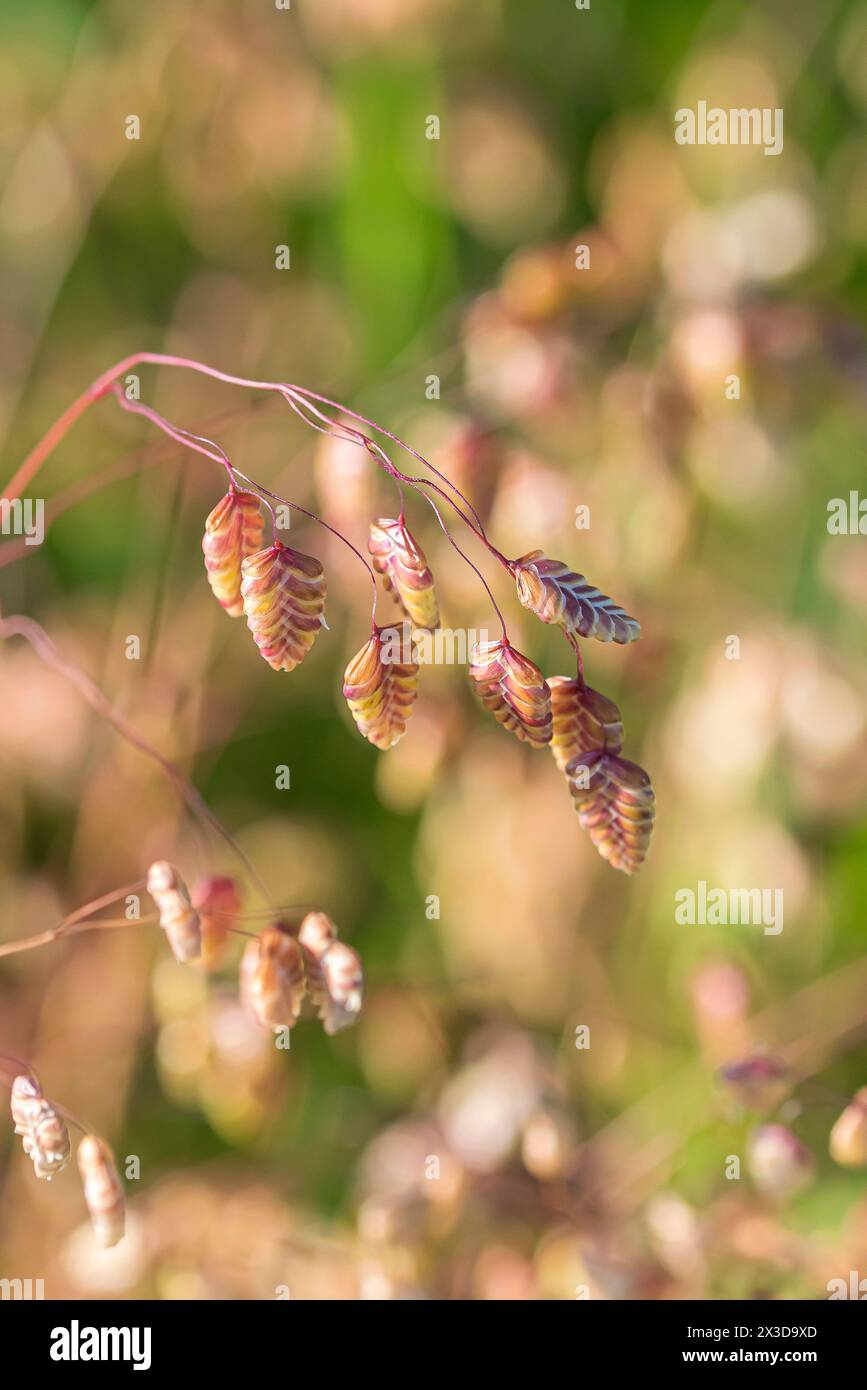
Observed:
{"x":273,"y":983}
{"x":335,"y":978}
{"x":514,"y":690}
{"x":759,"y":1082}
{"x":380,"y":685}
{"x":557,"y":595}
{"x":103,"y":1192}
{"x":583,"y":720}
{"x":316,"y":933}
{"x":337,"y":987}
{"x":615,"y":803}
{"x":43,"y":1131}
{"x":399,"y":558}
{"x":848,"y":1140}
{"x":284,"y":600}
{"x":778,"y":1162}
{"x":178,"y":918}
{"x":233,"y":530}
{"x":218,"y":902}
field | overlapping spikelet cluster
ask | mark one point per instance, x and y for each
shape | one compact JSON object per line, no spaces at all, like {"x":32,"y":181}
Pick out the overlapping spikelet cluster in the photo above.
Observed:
{"x":583,"y":720}
{"x":280,"y":968}
{"x":282,"y":593}
{"x":45,"y":1139}
{"x":398,"y":557}
{"x":286,"y":964}
{"x":614,"y":798}
{"x":380,"y":690}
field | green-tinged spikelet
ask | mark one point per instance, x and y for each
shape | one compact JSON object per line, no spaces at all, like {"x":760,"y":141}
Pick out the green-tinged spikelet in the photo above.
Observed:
{"x":398,"y":557}
{"x":380,"y":685}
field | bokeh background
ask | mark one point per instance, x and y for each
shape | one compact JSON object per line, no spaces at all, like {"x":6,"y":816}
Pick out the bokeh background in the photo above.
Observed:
{"x":562,"y":1171}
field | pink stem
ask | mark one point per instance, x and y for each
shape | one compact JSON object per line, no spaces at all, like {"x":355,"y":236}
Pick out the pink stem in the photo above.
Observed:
{"x":85,"y":487}
{"x":296,"y":507}
{"x":62,"y":931}
{"x":379,"y":454}
{"x":191,"y":441}
{"x":20,"y":626}
{"x":218,"y":454}
{"x":335,"y":405}
{"x":103,"y":384}
{"x":23,"y":1068}
{"x":357,"y":437}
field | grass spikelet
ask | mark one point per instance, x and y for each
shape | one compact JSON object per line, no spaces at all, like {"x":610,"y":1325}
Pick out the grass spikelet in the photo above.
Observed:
{"x":103,"y":1192}
{"x":399,"y":558}
{"x":233,"y":530}
{"x":338,"y":987}
{"x":380,"y":688}
{"x":43,"y":1131}
{"x":582,"y":720}
{"x":557,"y":595}
{"x":273,"y":983}
{"x":178,"y":918}
{"x":514,"y":690}
{"x":218,"y":902}
{"x":615,"y":804}
{"x":316,"y":933}
{"x":284,"y":599}
{"x":848,"y":1140}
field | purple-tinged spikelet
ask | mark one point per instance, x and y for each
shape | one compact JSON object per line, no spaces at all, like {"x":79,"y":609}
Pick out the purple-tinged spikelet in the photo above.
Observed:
{"x":583,"y":720}
{"x":557,"y":595}
{"x":514,"y":690}
{"x":284,"y":600}
{"x":381,"y":691}
{"x":399,"y":558}
{"x":233,"y":530}
{"x":217,"y":900}
{"x":615,"y":804}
